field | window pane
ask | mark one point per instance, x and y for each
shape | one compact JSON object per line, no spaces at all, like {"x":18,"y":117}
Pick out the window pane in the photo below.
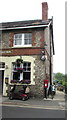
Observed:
{"x":16,"y":76}
{"x":24,"y":64}
{"x":18,"y":36}
{"x":2,"y":65}
{"x":18,"y":42}
{"x":26,"y":41}
{"x":27,"y":66}
{"x":18,"y":39}
{"x":29,"y":69}
{"x":27,"y":38}
{"x":30,"y":41}
{"x":26,"y":75}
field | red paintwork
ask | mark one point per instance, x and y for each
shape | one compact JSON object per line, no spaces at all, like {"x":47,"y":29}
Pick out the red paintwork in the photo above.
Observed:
{"x":18,"y":95}
{"x":45,"y":83}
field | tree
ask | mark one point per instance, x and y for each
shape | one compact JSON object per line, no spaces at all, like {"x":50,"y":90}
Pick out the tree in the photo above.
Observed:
{"x":62,"y":79}
{"x":59,"y":76}
{"x":65,"y":77}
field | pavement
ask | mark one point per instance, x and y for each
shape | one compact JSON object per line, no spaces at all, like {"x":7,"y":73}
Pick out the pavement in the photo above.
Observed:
{"x":57,"y":103}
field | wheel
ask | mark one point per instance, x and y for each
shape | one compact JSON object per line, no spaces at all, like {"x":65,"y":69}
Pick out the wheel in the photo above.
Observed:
{"x":11,"y":97}
{"x":23,"y":98}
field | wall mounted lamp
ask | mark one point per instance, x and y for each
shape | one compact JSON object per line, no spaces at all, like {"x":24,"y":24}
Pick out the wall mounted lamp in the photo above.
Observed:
{"x":43,"y":56}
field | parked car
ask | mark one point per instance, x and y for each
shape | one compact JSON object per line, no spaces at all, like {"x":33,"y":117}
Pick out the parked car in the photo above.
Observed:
{"x":61,"y":88}
{"x":18,"y":94}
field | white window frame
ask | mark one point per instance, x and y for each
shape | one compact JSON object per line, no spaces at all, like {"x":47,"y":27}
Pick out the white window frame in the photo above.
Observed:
{"x":21,"y":74}
{"x":26,"y":67}
{"x":22,"y":42}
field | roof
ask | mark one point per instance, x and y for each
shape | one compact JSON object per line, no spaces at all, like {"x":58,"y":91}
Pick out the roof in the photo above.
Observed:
{"x":23,"y":24}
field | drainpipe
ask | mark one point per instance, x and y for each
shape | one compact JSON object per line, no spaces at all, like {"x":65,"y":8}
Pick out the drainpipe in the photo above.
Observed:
{"x":50,"y":56}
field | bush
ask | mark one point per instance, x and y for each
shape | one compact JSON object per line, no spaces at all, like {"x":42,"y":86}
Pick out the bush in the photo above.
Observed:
{"x":66,"y":87}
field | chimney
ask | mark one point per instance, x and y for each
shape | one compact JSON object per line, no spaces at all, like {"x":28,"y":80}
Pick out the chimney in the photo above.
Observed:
{"x":44,"y":11}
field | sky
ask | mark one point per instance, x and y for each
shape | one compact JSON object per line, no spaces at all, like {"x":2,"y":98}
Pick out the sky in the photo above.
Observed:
{"x":19,"y":10}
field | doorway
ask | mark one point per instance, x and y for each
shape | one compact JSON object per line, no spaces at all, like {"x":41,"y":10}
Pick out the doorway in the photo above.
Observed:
{"x":1,"y":81}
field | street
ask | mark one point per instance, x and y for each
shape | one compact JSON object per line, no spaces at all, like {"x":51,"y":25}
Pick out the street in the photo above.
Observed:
{"x":21,"y":112}
{"x":34,"y":108}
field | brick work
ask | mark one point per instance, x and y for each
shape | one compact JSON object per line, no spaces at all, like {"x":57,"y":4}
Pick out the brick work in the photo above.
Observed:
{"x":44,"y":11}
{"x":21,"y":51}
{"x":42,"y":39}
{"x":37,"y":39}
{"x":5,"y":40}
{"x":11,"y":39}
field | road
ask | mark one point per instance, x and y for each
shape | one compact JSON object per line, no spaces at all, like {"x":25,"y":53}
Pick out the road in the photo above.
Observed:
{"x":21,"y":112}
{"x":34,"y":108}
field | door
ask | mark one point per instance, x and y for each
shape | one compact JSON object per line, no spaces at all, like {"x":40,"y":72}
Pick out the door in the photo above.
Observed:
{"x":1,"y":81}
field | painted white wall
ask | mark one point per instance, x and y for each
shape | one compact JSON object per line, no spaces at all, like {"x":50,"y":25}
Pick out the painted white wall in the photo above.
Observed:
{"x":8,"y":72}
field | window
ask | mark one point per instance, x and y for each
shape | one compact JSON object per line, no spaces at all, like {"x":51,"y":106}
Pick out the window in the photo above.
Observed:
{"x":16,"y":76}
{"x":23,"y":39}
{"x":2,"y":65}
{"x":25,"y":75}
{"x":18,"y":39}
{"x":26,"y":70}
{"x":27,"y":38}
{"x":15,"y":73}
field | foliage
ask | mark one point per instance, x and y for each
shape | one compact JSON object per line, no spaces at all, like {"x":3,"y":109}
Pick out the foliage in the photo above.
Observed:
{"x":65,"y":77}
{"x":19,"y":61}
{"x":59,"y":76}
{"x":62,"y":79}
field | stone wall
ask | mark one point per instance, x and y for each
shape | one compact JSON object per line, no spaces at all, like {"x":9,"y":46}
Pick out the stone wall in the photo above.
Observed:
{"x":5,"y":40}
{"x":37,"y":90}
{"x":37,"y":37}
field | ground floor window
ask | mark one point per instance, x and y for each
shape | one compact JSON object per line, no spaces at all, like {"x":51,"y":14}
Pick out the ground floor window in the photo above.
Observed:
{"x":16,"y":76}
{"x":26,"y":70}
{"x":2,"y":65}
{"x":21,"y":72}
{"x":26,"y":75}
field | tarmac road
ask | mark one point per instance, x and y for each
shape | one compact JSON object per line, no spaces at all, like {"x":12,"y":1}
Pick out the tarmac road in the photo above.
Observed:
{"x":21,"y":112}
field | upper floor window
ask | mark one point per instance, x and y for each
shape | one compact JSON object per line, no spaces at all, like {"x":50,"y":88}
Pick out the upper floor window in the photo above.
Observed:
{"x":23,"y":39}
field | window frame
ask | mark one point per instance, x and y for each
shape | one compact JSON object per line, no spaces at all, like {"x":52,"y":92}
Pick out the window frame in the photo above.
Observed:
{"x":23,"y":40}
{"x":27,"y":67}
{"x":21,"y":74}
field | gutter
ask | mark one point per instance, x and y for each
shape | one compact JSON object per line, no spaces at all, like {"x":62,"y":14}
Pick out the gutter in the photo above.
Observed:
{"x":26,"y":27}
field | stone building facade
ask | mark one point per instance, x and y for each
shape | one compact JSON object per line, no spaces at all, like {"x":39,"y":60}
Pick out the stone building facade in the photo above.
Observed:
{"x":29,"y":41}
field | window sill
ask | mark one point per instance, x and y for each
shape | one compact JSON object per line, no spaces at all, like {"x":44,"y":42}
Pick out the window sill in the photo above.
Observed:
{"x":25,"y":46}
{"x":21,"y":84}
{"x":22,"y":81}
